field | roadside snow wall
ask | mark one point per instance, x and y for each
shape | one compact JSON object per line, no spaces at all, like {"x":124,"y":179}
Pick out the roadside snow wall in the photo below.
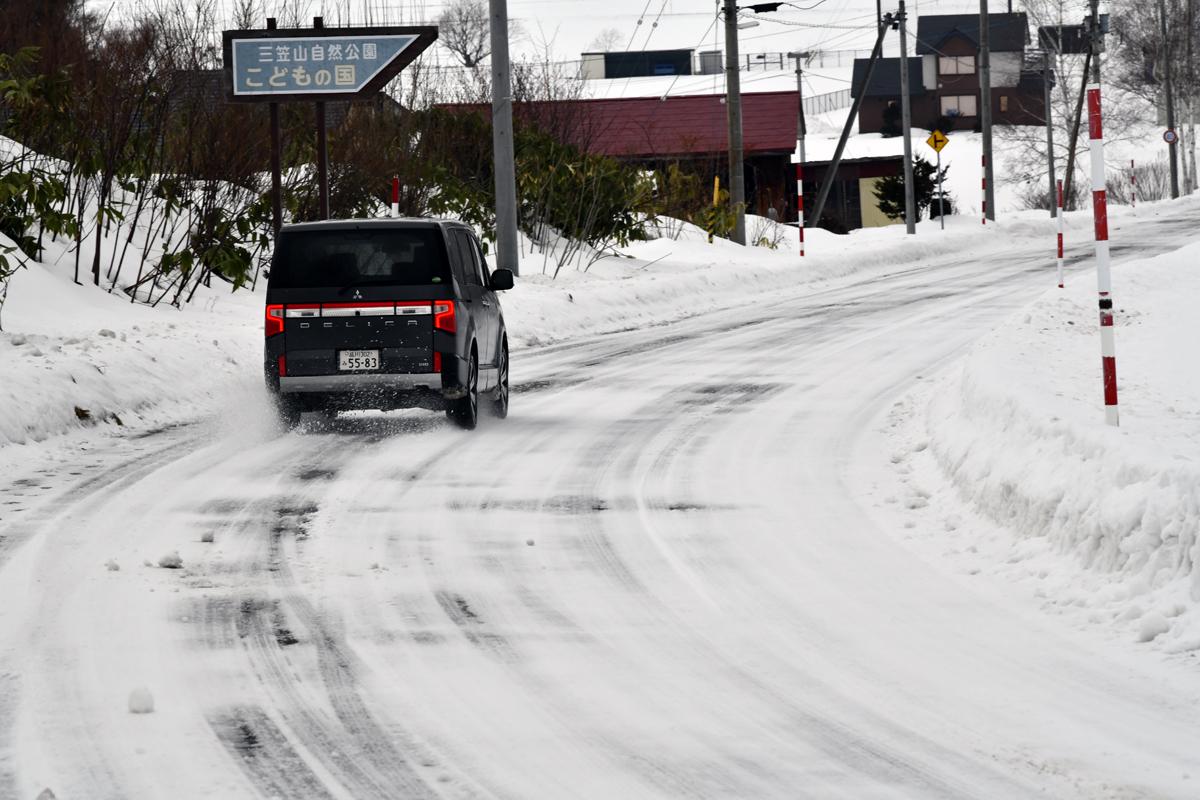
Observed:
{"x":1019,"y":428}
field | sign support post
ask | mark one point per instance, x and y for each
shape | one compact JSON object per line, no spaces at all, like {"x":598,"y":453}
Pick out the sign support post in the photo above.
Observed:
{"x":941,"y":204}
{"x":937,"y":140}
{"x":276,"y":178}
{"x":322,"y":148}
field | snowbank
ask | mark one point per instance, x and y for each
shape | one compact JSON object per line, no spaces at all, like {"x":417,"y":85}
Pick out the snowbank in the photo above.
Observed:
{"x":74,"y":356}
{"x":1019,"y":428}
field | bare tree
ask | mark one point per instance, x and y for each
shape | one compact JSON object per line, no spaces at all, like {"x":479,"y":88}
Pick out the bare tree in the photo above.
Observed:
{"x":464,"y":29}
{"x":606,"y":41}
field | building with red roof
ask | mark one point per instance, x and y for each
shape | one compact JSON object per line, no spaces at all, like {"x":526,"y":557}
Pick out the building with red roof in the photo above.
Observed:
{"x":693,"y":130}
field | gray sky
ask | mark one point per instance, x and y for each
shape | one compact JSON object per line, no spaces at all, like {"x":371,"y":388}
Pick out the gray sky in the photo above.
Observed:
{"x":568,"y":27}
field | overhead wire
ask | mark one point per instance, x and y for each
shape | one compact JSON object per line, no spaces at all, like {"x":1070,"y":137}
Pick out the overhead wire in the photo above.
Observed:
{"x":649,"y":35}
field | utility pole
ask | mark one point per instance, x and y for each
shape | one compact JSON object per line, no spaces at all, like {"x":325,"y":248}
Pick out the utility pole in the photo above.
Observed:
{"x":1166,"y":57}
{"x":910,"y":199}
{"x":1189,"y":109}
{"x":1070,"y":176}
{"x":733,"y":107}
{"x":1049,"y":129}
{"x":985,"y":111}
{"x":831,"y":170}
{"x":507,"y":250}
{"x":1190,"y":124}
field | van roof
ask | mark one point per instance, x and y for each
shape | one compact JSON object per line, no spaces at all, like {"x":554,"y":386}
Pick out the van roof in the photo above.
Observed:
{"x":380,"y":222}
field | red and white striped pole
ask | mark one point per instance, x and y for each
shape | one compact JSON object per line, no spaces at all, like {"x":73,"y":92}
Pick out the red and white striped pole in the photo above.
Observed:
{"x":1133,"y":184}
{"x":983,"y":184}
{"x":395,"y":195}
{"x":800,"y":202}
{"x":1060,"y":235}
{"x":1108,"y":349}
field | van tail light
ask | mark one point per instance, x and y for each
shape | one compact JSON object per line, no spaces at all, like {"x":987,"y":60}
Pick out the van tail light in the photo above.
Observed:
{"x":274,"y":320}
{"x":437,"y":361}
{"x":443,"y":316}
{"x":283,"y":366}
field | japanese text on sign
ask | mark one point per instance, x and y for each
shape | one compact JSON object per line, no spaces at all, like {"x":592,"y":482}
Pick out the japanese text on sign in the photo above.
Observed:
{"x":328,"y":64}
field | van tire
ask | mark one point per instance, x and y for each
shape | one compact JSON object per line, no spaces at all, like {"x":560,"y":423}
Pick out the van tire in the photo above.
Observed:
{"x":500,"y":396}
{"x":289,"y":409}
{"x":465,"y":411}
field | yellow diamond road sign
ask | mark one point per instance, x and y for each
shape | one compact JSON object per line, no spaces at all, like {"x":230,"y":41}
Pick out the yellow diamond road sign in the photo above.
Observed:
{"x":937,"y":140}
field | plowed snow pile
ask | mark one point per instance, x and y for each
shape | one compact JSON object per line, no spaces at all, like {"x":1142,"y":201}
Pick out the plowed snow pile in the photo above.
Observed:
{"x":1019,"y":428}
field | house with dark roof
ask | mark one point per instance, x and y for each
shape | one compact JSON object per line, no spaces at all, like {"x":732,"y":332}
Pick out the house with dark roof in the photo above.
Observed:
{"x":945,"y":88}
{"x":879,"y":111}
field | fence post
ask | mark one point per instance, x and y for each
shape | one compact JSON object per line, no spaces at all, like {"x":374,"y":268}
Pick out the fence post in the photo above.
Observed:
{"x":1132,"y":184}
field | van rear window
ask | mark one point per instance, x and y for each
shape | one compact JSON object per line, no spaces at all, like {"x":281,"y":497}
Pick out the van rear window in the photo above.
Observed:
{"x":359,"y":257}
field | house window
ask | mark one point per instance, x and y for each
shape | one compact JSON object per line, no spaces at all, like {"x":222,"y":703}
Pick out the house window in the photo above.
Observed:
{"x":960,"y":105}
{"x":1003,"y":102}
{"x":956,"y":65}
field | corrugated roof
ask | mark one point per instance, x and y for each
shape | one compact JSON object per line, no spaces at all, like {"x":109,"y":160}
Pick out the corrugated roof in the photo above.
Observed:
{"x":1006,"y":32}
{"x":650,"y":127}
{"x":885,"y":79}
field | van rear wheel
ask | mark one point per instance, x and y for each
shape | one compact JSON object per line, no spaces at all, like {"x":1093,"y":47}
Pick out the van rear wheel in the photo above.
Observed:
{"x":500,"y":398}
{"x":465,"y":411}
{"x":289,"y":409}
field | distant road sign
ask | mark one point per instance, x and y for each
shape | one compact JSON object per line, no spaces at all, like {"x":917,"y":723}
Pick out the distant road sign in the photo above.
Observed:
{"x":1170,"y":136}
{"x":937,"y":140}
{"x":318,"y":63}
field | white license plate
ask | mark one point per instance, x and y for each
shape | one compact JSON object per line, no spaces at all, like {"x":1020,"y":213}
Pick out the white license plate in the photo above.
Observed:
{"x":358,"y":359}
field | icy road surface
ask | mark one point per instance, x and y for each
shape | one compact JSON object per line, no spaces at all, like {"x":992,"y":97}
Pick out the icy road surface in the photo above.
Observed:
{"x":664,"y":576}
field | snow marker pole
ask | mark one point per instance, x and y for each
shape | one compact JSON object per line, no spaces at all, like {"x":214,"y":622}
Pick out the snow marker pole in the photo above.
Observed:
{"x":1103,"y":279}
{"x":983,"y":184}
{"x":395,"y":195}
{"x":1133,"y":184}
{"x":716,"y":199}
{"x":800,"y":203}
{"x":1060,"y":235}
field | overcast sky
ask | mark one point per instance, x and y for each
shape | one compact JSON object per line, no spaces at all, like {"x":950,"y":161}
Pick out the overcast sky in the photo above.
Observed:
{"x":569,"y":27}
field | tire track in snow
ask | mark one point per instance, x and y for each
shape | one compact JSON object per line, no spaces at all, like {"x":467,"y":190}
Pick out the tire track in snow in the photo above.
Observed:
{"x":265,"y":755}
{"x":146,"y":457}
{"x":351,"y":746}
{"x":626,"y":444}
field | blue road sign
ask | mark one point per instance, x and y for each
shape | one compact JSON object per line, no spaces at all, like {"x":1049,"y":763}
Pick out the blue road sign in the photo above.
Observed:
{"x":316,"y":65}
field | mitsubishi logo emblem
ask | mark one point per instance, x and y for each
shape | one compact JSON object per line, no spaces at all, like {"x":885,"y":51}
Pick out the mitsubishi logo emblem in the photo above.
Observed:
{"x":357,"y":294}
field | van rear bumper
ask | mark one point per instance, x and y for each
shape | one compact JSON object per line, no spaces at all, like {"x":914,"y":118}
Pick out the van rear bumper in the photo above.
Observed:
{"x":350,"y":384}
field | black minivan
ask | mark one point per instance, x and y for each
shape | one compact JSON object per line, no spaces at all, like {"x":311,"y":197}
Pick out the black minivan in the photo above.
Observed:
{"x":384,"y":314}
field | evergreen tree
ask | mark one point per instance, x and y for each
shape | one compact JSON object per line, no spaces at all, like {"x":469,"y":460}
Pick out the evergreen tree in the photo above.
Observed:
{"x":891,"y":120}
{"x":889,"y":191}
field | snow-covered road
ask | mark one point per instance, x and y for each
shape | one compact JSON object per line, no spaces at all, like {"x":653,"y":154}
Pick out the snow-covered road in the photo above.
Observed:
{"x":667,"y":574}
